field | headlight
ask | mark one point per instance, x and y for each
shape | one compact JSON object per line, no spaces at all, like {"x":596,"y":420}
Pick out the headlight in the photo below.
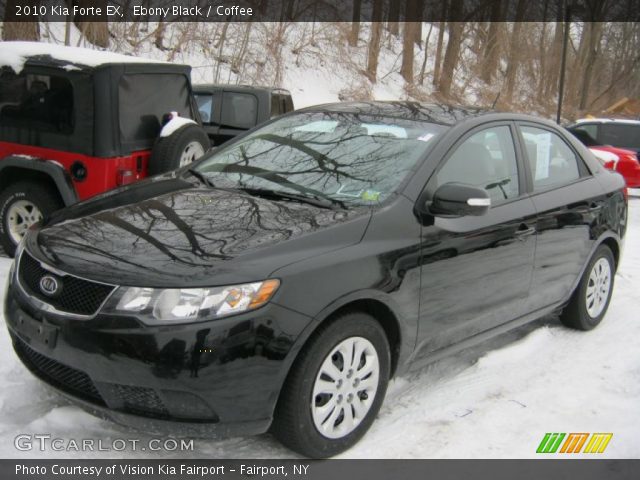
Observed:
{"x":179,"y":305}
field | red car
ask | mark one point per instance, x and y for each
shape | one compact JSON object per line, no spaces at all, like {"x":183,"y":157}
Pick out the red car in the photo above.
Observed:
{"x":75,"y":123}
{"x":623,"y":161}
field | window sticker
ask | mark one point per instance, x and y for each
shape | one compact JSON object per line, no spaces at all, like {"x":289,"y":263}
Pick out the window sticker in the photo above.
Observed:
{"x":426,"y":137}
{"x":320,"y":126}
{"x":389,"y":130}
{"x":543,"y":155}
{"x":370,"y":195}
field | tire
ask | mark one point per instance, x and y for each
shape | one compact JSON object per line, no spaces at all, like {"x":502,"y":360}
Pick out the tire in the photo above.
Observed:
{"x":168,"y":152}
{"x":294,"y":425}
{"x":16,"y":201}
{"x":584,"y":314}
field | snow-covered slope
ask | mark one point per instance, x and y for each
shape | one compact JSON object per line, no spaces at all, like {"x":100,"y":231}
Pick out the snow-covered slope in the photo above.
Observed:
{"x":494,"y":401}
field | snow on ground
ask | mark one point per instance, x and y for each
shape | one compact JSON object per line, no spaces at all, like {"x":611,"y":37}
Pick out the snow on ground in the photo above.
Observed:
{"x":496,"y":400}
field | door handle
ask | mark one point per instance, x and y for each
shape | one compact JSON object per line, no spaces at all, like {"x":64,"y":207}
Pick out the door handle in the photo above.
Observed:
{"x":524,"y":230}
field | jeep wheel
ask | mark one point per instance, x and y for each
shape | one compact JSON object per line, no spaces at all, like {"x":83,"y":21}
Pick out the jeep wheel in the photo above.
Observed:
{"x":186,"y":144}
{"x":22,"y":205}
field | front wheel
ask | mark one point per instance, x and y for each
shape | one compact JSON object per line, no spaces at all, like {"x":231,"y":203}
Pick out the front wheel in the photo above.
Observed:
{"x":21,"y":205}
{"x":336,"y":387}
{"x":590,"y":301}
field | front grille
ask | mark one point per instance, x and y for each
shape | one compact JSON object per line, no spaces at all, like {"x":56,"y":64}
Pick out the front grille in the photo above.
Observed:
{"x":78,"y":296}
{"x":54,"y":373}
{"x":140,"y":401}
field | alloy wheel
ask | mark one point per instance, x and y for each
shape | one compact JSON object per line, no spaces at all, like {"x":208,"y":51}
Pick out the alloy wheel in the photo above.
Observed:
{"x":191,"y":152}
{"x":598,"y":287}
{"x":345,"y":387}
{"x":20,"y":216}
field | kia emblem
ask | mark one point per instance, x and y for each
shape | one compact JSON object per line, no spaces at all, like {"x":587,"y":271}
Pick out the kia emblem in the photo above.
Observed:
{"x":50,"y":286}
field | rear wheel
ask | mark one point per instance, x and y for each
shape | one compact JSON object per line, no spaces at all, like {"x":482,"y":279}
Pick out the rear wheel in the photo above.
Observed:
{"x":186,"y":144}
{"x":590,"y":301}
{"x":22,"y":205}
{"x":336,"y":387}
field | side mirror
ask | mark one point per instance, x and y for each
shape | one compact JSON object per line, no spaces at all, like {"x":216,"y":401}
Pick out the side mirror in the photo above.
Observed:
{"x":458,"y":200}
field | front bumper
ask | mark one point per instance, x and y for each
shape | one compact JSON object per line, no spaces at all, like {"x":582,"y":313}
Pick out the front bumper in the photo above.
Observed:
{"x":214,"y":379}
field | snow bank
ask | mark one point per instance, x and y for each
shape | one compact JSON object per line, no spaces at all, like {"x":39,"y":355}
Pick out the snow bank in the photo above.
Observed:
{"x":15,"y":54}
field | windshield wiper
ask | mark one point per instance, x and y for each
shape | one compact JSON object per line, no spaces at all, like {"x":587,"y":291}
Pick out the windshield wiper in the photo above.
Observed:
{"x":316,"y":200}
{"x":201,"y":176}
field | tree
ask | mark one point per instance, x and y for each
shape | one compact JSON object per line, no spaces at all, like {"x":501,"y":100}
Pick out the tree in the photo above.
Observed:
{"x":355,"y":24}
{"x":515,"y":50}
{"x":15,"y":30}
{"x":408,"y":40}
{"x":93,"y":27}
{"x":393,"y":18}
{"x":491,"y":54}
{"x":374,"y":41}
{"x":455,"y":30}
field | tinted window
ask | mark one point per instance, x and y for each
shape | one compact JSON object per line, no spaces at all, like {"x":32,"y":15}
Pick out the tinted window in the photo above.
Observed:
{"x":551,"y":160}
{"x":144,"y":98}
{"x":620,"y":135}
{"x":239,"y":110}
{"x":40,"y":102}
{"x":590,"y":129}
{"x":352,"y":158}
{"x":584,"y":136}
{"x":275,"y":105}
{"x":205,"y":106}
{"x":487,"y":160}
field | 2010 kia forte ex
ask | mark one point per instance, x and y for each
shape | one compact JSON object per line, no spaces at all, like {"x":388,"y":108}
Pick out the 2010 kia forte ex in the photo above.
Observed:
{"x":278,"y":283}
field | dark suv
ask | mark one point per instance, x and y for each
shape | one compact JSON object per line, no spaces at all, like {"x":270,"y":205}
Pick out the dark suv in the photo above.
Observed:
{"x":282,"y":280}
{"x":230,"y":110}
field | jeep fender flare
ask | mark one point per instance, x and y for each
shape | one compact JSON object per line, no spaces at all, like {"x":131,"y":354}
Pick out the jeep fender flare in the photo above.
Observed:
{"x":52,"y":169}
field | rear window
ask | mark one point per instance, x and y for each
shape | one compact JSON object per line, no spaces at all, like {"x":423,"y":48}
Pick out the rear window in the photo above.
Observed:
{"x":239,"y":110}
{"x":619,"y":135}
{"x":145,"y":97}
{"x":280,"y":104}
{"x":38,"y":102}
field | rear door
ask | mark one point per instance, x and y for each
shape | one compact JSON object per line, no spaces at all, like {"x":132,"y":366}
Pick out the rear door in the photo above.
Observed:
{"x":476,"y":271}
{"x":567,"y":199}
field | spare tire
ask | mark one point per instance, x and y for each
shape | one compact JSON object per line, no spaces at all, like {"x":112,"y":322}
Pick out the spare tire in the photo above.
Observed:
{"x":182,"y":147}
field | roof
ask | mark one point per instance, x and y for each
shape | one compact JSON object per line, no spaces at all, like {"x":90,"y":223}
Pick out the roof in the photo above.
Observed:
{"x":241,"y":87}
{"x":427,"y":112}
{"x":608,"y":120}
{"x":16,"y":54}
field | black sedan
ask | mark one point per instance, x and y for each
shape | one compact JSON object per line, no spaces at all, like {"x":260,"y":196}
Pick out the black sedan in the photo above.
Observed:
{"x":281,"y":281}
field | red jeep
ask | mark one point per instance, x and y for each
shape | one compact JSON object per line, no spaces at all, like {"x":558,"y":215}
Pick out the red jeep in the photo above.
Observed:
{"x":75,"y":123}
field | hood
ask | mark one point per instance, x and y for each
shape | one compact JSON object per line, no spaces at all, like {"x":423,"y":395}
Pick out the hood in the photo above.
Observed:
{"x":171,"y":233}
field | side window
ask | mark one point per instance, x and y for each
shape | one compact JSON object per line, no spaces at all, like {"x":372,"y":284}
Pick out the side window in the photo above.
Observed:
{"x":239,"y":110}
{"x":589,"y":129}
{"x":621,"y":135}
{"x":551,"y":160}
{"x":41,"y":102}
{"x":487,"y":160}
{"x":275,"y":105}
{"x":205,"y":106}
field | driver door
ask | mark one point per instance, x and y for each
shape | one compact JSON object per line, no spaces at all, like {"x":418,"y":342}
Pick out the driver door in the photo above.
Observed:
{"x":476,"y":270}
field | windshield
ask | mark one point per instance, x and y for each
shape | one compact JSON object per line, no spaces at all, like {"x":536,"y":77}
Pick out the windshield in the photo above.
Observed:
{"x":348,"y":158}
